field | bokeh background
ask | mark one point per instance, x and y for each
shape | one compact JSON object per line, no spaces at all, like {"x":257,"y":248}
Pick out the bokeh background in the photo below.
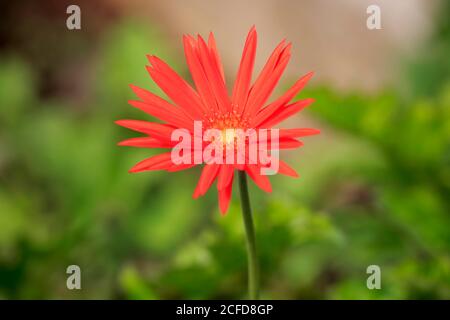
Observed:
{"x":374,"y":186}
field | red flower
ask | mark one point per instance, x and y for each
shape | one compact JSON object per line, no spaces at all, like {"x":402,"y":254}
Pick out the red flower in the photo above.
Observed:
{"x":211,"y":105}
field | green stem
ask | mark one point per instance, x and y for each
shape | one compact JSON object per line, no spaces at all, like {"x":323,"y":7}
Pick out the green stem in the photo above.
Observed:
{"x":253,"y":284}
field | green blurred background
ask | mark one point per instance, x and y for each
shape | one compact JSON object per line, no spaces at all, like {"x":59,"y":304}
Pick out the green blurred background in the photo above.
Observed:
{"x":374,"y":186}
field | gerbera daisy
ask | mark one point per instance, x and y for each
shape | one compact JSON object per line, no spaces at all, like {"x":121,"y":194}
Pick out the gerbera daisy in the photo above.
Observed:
{"x":210,"y":104}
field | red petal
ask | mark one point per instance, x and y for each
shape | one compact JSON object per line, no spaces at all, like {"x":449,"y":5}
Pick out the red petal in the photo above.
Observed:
{"x":215,"y":53}
{"x":198,"y":74}
{"x":159,"y":102}
{"x":225,"y":176}
{"x":180,"y":167}
{"x":169,"y":116}
{"x":285,"y":112}
{"x":289,"y":143}
{"x":145,"y":142}
{"x":158,"y":130}
{"x":214,"y":77}
{"x":298,"y":132}
{"x":209,"y":173}
{"x":268,"y":78}
{"x":177,"y":89}
{"x":225,"y":197}
{"x":244,"y":75}
{"x":286,"y":170}
{"x":271,"y":108}
{"x":158,"y":162}
{"x":283,"y":143}
{"x":261,"y":180}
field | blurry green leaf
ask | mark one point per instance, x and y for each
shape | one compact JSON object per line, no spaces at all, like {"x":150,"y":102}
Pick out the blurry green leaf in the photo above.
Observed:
{"x":134,"y":286}
{"x":16,"y":89}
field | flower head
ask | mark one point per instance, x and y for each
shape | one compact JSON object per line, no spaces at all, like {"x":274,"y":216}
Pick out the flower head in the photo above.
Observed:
{"x":215,"y":125}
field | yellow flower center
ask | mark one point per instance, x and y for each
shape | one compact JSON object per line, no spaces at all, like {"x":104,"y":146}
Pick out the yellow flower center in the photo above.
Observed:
{"x":229,"y":136}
